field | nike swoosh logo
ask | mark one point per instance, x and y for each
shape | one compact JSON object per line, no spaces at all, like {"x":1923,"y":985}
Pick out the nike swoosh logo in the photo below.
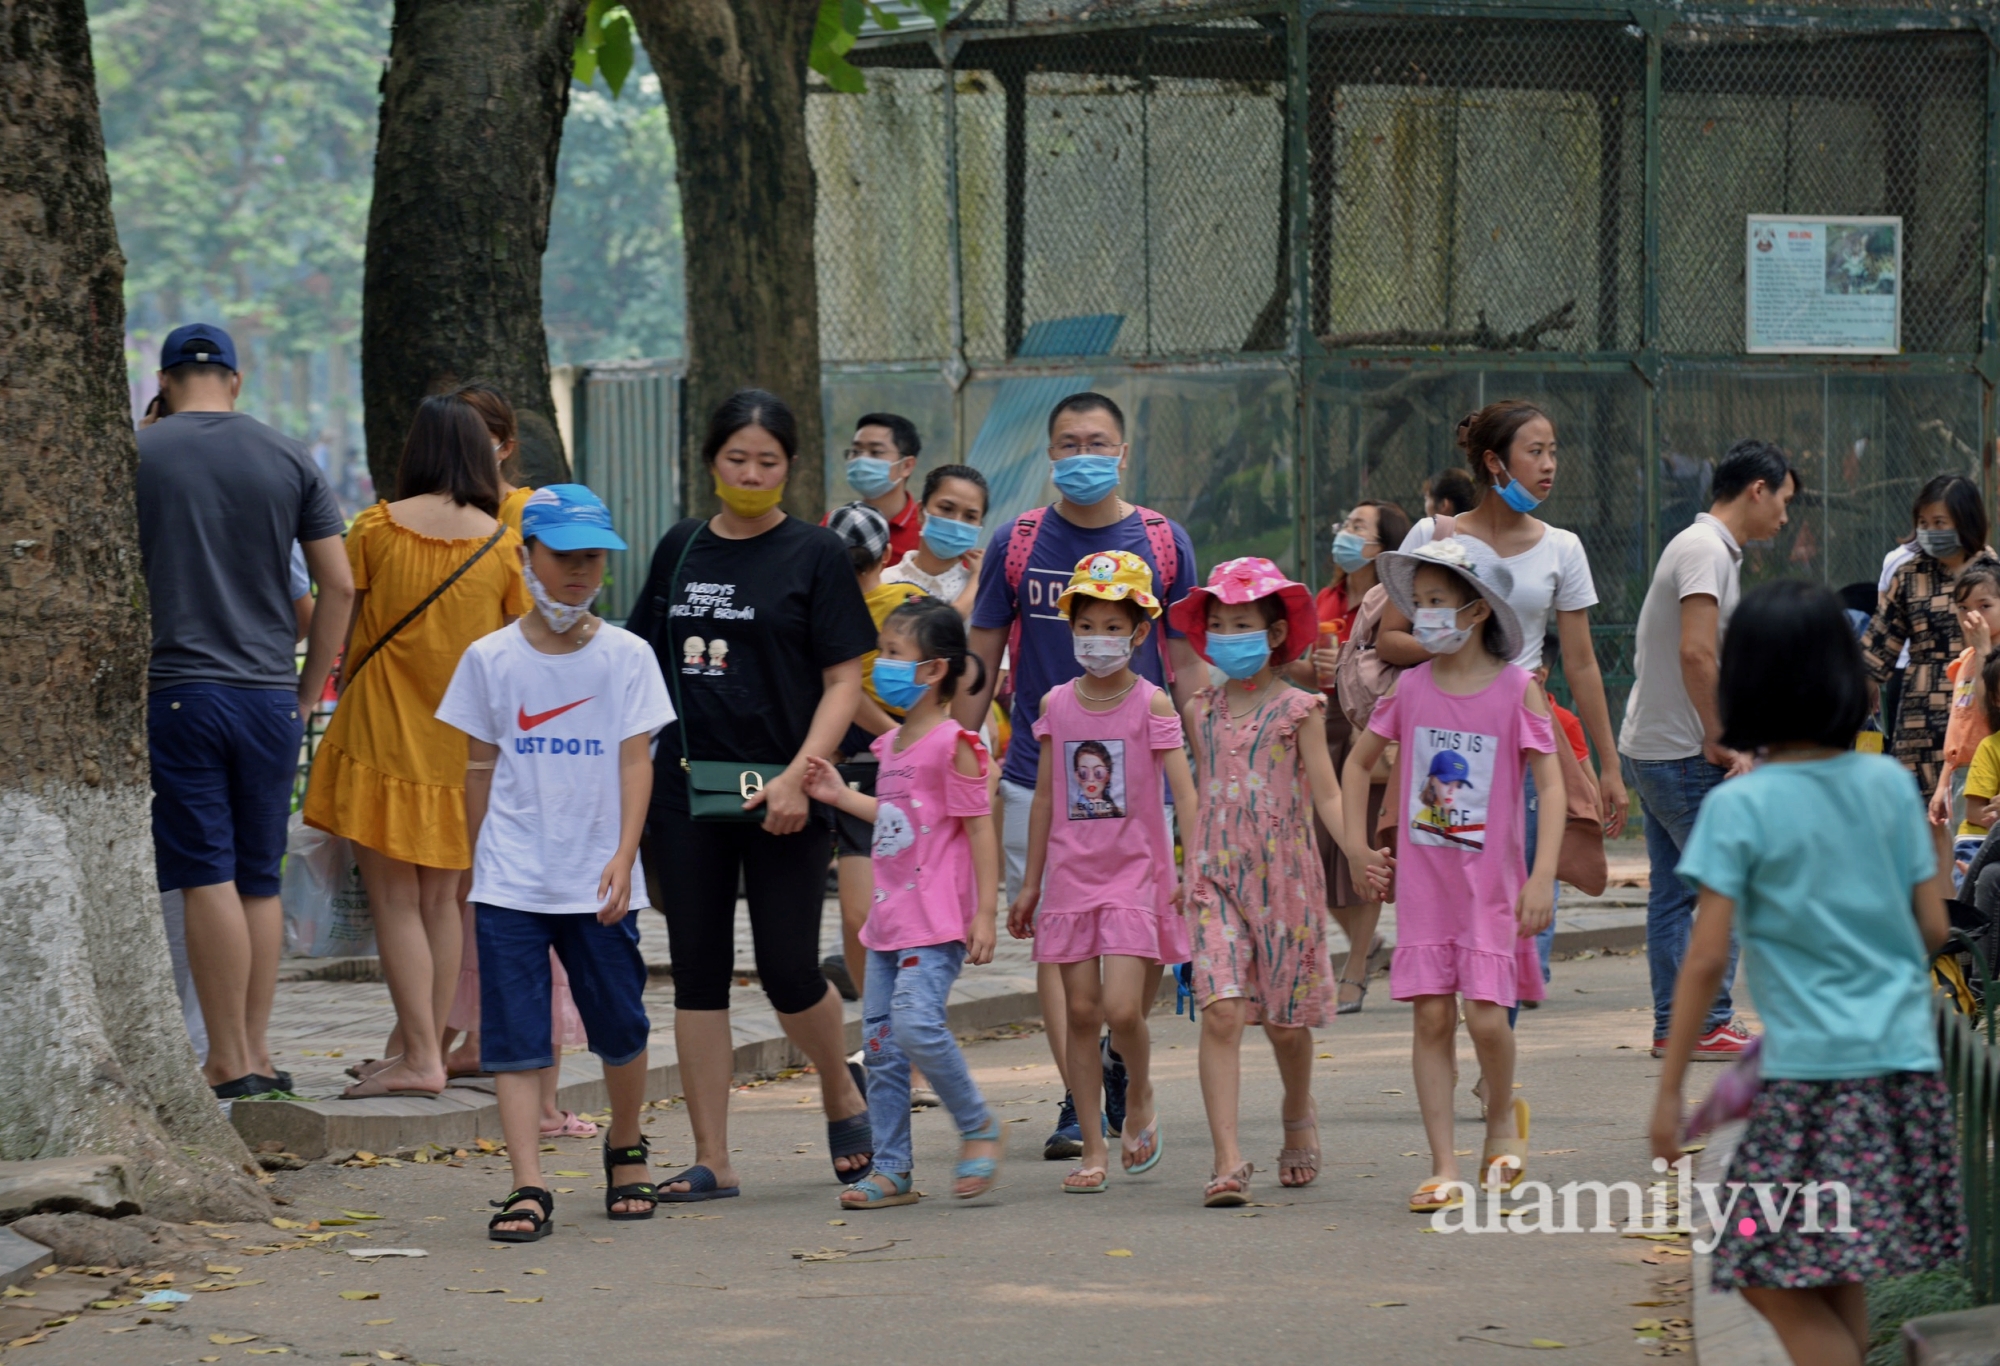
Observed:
{"x":530,"y":721}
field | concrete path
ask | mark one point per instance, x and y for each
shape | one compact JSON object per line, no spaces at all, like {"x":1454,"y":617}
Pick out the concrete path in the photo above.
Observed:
{"x":1340,"y":1272}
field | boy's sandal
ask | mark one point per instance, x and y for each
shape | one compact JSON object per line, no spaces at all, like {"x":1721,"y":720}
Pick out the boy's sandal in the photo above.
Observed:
{"x":1352,"y":1007}
{"x":539,"y":1218}
{"x":878,"y":1189}
{"x":1103,"y":1181}
{"x":638,"y":1155}
{"x":701,"y":1186}
{"x":1505,"y":1168}
{"x":572,"y":1125}
{"x":1150,"y":1135}
{"x":1219,"y":1193}
{"x":1299,"y":1159}
{"x":1436,"y":1195}
{"x":984,"y":1170}
{"x":850,"y":1137}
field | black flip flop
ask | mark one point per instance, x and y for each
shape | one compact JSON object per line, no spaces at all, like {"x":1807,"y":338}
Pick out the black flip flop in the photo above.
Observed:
{"x":701,"y":1186}
{"x":850,"y":1137}
{"x":541,"y":1219}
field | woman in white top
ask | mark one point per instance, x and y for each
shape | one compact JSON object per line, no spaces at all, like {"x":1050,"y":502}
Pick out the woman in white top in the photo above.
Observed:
{"x":1511,"y":448}
{"x":945,"y":564}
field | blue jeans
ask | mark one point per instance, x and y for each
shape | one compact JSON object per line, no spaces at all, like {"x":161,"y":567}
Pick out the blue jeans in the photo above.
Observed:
{"x":1671,"y":791}
{"x":1531,"y":841}
{"x":903,"y":1021}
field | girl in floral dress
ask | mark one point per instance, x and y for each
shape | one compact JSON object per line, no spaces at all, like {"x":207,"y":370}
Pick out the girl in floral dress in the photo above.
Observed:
{"x":1256,"y":886}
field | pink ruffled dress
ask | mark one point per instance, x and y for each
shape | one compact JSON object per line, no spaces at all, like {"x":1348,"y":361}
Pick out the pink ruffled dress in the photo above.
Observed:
{"x":1459,"y":838}
{"x":1111,"y":876}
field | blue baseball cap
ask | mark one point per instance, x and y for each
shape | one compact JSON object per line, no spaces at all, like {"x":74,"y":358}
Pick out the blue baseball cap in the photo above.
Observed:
{"x":197,"y":344}
{"x":1451,"y":766}
{"x":567,"y":517}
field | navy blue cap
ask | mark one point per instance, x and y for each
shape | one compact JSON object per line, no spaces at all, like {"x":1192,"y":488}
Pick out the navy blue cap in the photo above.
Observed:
{"x":567,"y":517}
{"x":197,"y":344}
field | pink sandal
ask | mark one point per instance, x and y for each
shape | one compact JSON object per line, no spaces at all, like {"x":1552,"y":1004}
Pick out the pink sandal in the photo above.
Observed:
{"x":573,"y":1126}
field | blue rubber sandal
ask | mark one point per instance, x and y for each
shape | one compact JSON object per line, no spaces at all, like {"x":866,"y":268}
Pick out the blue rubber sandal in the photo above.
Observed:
{"x":879,"y":1190}
{"x":701,"y":1186}
{"x":985,"y":1169}
{"x":1149,"y":1134}
{"x":850,"y":1137}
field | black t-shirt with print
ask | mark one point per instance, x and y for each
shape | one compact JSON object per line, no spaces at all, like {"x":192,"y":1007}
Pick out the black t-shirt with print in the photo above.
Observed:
{"x":749,"y":628}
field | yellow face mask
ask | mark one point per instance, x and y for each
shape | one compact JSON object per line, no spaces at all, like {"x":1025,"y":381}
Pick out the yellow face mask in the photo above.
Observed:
{"x":749,"y":504}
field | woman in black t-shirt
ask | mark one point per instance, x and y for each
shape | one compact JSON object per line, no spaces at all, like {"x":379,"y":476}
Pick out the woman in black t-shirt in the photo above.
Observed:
{"x":760,"y":634}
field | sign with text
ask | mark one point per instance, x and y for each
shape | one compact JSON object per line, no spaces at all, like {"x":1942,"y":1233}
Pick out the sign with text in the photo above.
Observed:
{"x":1823,"y":285}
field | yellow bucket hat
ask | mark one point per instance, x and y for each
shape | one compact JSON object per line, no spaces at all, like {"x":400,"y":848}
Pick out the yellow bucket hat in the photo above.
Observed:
{"x":1115,"y":576}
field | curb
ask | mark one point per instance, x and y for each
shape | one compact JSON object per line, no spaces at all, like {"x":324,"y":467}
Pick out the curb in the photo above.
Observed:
{"x":21,"y":1258}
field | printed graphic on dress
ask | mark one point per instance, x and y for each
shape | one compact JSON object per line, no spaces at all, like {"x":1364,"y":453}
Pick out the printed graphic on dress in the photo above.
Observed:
{"x":893,"y":831}
{"x":1451,"y":784}
{"x":1095,"y":772}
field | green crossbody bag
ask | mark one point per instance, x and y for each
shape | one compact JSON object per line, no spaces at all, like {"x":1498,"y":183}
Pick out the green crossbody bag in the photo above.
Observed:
{"x":717,"y":788}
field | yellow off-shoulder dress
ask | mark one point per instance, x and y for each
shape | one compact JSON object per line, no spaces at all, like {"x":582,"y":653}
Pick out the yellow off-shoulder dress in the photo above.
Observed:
{"x":389,"y":775}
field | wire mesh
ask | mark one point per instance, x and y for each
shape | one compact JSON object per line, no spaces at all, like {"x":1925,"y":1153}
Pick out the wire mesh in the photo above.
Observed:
{"x":1476,"y":184}
{"x":1760,"y":122}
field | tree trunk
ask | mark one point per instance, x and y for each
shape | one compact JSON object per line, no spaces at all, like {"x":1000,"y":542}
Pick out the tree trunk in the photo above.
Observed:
{"x":95,"y":1060}
{"x":472,"y":114}
{"x":734,"y":76}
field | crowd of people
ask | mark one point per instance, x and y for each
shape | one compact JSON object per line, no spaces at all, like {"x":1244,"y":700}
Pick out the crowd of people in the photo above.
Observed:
{"x":1135,"y":765}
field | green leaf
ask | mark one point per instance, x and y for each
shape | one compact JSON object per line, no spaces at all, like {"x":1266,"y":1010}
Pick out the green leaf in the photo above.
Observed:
{"x":853,"y":13}
{"x":884,"y":19}
{"x":614,"y":55}
{"x":937,"y":11}
{"x":830,"y":43}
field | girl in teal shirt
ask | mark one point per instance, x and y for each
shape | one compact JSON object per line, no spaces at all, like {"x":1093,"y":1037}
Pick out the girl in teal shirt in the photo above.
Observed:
{"x":1825,"y":857}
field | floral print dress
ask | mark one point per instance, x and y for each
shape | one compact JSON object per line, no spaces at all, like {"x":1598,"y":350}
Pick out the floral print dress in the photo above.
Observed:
{"x":1257,"y":889}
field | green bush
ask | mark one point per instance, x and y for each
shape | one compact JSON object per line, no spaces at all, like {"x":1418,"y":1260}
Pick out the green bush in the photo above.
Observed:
{"x":1893,"y":1301}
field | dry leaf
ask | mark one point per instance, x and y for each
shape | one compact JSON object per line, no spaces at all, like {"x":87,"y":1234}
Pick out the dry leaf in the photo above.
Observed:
{"x":1554,"y":1152}
{"x":231,"y":1339}
{"x":837,"y":1223}
{"x":36,"y":1337}
{"x":536,"y":1271}
{"x":1389,"y":1304}
{"x":361,"y":1294}
{"x":208,"y":1358}
{"x":1545,"y":1342}
{"x":359,"y":1214}
{"x":225,"y":1270}
{"x":1119,"y":1252}
{"x":496,"y":1290}
{"x":128,"y":1328}
{"x":387,"y":1355}
{"x":569,"y":1173}
{"x":524,"y":1299}
{"x":267,"y":1351}
{"x":378,"y":1323}
{"x":283,"y":1223}
{"x":1391,"y":1091}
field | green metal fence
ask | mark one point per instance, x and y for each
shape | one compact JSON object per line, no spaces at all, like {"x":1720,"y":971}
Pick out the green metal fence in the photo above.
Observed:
{"x":1330,"y":227}
{"x":1972,"y":1069}
{"x":626,"y":431}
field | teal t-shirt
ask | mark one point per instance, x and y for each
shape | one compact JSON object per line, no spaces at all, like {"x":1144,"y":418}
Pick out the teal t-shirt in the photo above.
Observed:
{"x":1820,"y":858}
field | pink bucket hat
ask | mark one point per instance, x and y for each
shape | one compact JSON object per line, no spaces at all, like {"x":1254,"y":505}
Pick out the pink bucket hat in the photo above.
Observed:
{"x":1246,"y":580}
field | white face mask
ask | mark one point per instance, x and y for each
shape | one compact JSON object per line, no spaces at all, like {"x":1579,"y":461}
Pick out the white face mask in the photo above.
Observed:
{"x":1102,"y":656}
{"x":1438,"y":631}
{"x":560,"y":616}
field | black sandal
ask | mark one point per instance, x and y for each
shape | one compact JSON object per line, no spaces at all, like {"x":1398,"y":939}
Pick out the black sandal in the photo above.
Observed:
{"x":541,"y":1219}
{"x":639,"y":1153}
{"x":851,"y":1137}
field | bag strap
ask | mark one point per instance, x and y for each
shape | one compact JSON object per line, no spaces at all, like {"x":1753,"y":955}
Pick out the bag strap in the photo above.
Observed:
{"x":673,"y":671}
{"x":348,"y":675}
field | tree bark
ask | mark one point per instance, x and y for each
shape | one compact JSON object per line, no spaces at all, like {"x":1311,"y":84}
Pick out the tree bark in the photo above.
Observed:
{"x":95,"y":1059}
{"x":472,"y":115}
{"x":734,"y":76}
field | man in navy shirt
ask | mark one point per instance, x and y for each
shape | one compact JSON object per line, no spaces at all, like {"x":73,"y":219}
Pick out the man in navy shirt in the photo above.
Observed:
{"x":1089,"y":456}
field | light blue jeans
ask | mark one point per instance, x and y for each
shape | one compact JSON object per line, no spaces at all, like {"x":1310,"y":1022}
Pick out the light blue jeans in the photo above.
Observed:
{"x":1531,"y":841}
{"x":903,"y":1021}
{"x":1671,"y":791}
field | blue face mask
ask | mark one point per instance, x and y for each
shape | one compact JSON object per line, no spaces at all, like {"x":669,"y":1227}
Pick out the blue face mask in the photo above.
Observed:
{"x":870,"y":477}
{"x":896,"y":682}
{"x":1516,"y":496}
{"x":1086,"y":479}
{"x":1239,"y":656}
{"x":1350,"y":552}
{"x":948,"y":539}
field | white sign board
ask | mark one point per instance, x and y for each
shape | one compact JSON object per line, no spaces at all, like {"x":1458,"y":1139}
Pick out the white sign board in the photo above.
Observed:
{"x":1823,"y":286}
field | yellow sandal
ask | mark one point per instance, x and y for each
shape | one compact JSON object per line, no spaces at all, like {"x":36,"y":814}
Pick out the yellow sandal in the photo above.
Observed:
{"x":1440,"y":1197}
{"x":1514,"y":1154}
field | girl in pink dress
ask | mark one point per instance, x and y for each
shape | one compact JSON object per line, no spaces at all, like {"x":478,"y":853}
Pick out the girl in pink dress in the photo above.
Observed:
{"x":1111,"y":742}
{"x":1467,"y":722}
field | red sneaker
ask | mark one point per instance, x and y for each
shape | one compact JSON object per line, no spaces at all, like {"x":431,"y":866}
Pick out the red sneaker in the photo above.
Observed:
{"x":1659,"y":1048}
{"x":1724,"y":1043}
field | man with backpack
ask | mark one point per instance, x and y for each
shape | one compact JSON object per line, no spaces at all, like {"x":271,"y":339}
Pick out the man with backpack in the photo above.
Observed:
{"x":1028,"y":565}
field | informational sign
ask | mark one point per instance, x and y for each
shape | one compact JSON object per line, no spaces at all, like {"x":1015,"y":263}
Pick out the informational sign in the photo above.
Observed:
{"x":1823,"y":285}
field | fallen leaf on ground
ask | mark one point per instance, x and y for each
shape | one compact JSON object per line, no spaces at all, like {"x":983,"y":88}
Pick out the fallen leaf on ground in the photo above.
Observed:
{"x":378,"y":1323}
{"x":386,"y":1252}
{"x":128,"y":1328}
{"x":267,"y":1351}
{"x":1389,"y":1304}
{"x":1545,"y":1342}
{"x":1119,"y":1252}
{"x":361,"y":1294}
{"x":524,"y":1299}
{"x":231,"y":1339}
{"x":386,"y":1355}
{"x":536,"y":1271}
{"x":569,"y":1173}
{"x":364,"y":1214}
{"x":283,"y":1223}
{"x":461,"y":1290}
{"x":225,"y":1270}
{"x":837,"y":1223}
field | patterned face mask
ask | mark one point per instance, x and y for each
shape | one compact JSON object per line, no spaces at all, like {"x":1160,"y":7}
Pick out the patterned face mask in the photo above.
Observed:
{"x":559,"y":615}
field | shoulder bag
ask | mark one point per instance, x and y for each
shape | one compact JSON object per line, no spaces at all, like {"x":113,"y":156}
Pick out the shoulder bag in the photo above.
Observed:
{"x":717,"y":788}
{"x":347,"y":675}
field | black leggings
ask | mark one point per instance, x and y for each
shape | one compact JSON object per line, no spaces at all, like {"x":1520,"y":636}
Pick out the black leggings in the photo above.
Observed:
{"x":698,"y":864}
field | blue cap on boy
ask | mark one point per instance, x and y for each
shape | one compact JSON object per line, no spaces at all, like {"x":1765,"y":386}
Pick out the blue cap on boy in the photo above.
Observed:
{"x":567,"y":517}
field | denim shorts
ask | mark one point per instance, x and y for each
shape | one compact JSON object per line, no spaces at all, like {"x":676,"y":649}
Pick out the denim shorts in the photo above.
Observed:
{"x":224,"y":760}
{"x":606,"y":976}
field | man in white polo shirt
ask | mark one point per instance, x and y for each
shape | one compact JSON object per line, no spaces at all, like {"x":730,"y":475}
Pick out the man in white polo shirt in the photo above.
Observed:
{"x":1672,"y":720}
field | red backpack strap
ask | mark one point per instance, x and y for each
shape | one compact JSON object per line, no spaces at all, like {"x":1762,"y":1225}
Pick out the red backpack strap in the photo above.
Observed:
{"x":1167,"y":556}
{"x":1020,"y":546}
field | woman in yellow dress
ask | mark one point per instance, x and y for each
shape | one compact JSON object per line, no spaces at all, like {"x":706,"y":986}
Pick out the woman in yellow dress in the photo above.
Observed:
{"x":498,"y":415}
{"x":389,"y":776}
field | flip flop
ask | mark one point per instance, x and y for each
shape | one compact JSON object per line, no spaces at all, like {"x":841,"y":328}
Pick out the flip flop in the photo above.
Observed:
{"x":1446,"y":1200}
{"x":573,"y":1125}
{"x":367,"y":1068}
{"x":701,"y":1186}
{"x":1149,"y":1134}
{"x":373,"y":1086}
{"x":1215,"y":1197}
{"x":1103,"y":1181}
{"x":1512,"y":1155}
{"x":879,"y":1190}
{"x":850,"y":1137}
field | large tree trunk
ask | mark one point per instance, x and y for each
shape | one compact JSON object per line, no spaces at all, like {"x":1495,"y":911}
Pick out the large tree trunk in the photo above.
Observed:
{"x":465,"y":169}
{"x":734,"y":76}
{"x":95,"y":1059}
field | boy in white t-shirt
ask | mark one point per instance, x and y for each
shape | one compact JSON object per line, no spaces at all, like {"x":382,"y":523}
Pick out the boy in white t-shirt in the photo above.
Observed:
{"x":560,"y":710}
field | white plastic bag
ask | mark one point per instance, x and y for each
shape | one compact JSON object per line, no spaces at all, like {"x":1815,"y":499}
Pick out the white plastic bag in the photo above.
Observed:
{"x":326,"y":907}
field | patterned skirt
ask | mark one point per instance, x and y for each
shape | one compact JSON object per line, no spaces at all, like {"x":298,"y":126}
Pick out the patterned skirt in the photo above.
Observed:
{"x":1889,"y":1140}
